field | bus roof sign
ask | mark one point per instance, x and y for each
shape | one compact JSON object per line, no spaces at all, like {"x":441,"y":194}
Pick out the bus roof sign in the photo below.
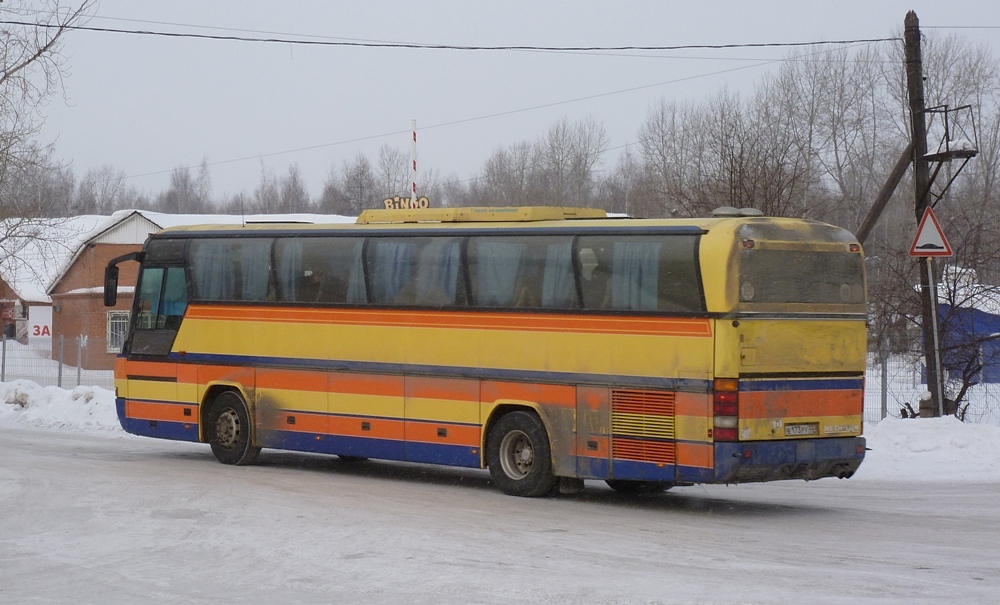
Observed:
{"x":480,"y":214}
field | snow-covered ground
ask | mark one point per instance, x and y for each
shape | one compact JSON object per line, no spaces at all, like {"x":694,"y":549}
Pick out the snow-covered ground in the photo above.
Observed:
{"x":936,"y":449}
{"x":89,"y":514}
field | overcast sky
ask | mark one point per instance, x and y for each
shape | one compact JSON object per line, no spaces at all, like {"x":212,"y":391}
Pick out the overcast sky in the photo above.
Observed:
{"x":146,"y":105}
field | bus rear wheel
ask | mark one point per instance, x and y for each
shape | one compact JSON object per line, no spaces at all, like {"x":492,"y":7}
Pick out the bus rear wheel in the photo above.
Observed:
{"x":230,"y":433}
{"x":638,"y":488}
{"x":519,"y":456}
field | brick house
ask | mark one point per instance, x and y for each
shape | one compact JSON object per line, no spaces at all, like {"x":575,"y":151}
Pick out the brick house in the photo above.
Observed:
{"x":77,"y":292}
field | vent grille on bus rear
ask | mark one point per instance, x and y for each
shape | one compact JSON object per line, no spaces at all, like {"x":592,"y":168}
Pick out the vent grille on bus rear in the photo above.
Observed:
{"x":642,"y":425}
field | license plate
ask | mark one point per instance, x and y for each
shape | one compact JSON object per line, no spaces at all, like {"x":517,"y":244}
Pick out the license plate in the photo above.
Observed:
{"x":798,"y":430}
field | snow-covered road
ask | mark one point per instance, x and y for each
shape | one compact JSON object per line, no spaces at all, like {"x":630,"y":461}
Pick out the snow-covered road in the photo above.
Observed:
{"x":98,"y":517}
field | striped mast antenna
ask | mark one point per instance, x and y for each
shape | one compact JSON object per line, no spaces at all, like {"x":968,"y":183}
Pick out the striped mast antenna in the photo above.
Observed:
{"x":413,"y":167}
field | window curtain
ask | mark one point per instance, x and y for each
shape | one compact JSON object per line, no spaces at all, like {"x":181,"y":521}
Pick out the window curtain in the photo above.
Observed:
{"x":392,"y":269}
{"x":255,"y":260}
{"x":356,"y":280}
{"x":634,"y":275}
{"x":213,"y":270}
{"x":289,"y":259}
{"x":497,"y":266}
{"x":557,"y":284}
{"x":437,"y":272}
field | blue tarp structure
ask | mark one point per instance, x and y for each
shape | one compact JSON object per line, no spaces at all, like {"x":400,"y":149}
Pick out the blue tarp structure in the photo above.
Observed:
{"x":964,"y":325}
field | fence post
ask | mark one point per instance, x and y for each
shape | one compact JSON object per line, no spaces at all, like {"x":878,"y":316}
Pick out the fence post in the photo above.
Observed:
{"x":3,"y":361}
{"x":81,"y":344}
{"x":62,"y":341}
{"x":885,"y":386}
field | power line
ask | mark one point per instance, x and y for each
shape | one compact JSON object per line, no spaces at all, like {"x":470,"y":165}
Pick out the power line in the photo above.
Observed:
{"x":464,"y":120}
{"x":478,"y":118}
{"x":423,"y":46}
{"x":960,"y":27}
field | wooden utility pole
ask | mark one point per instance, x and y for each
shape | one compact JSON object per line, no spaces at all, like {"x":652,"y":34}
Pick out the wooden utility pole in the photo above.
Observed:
{"x":921,"y":180}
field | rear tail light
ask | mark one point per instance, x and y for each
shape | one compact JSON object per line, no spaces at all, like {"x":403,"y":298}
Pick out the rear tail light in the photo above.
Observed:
{"x":726,"y":409}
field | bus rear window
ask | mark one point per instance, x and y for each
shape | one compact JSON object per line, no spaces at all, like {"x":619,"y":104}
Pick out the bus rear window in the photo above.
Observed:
{"x":801,"y":276}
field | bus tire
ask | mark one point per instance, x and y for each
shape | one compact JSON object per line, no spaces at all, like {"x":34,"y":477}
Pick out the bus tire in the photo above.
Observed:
{"x":638,"y":488}
{"x":519,"y":456}
{"x":230,"y":430}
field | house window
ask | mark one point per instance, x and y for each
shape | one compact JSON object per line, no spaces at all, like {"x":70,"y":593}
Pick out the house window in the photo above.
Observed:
{"x":117,"y":327}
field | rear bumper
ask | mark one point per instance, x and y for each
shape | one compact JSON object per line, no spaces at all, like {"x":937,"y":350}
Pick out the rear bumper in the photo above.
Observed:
{"x":797,"y":459}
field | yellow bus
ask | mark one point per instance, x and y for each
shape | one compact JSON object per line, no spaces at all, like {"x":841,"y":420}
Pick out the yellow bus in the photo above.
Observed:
{"x":549,"y":345}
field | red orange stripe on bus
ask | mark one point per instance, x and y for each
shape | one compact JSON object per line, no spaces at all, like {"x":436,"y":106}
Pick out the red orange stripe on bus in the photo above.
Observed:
{"x":783,"y":404}
{"x":442,"y":388}
{"x":428,"y":432}
{"x":559,"y":395}
{"x":167,"y":412}
{"x":378,"y":428}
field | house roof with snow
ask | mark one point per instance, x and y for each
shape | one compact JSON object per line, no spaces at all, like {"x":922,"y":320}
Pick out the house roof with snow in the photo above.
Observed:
{"x":37,"y":253}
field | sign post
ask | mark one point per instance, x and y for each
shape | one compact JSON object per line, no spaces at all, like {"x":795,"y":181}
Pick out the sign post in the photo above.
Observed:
{"x":928,"y":243}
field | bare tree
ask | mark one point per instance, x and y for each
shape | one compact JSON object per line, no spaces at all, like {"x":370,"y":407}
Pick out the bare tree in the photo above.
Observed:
{"x":392,"y":172}
{"x":508,"y":178}
{"x":359,"y":185}
{"x":293,"y":194}
{"x":31,"y":70}
{"x":565,"y":158}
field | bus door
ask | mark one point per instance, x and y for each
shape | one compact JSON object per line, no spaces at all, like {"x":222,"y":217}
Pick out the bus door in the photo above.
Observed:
{"x":152,"y":399}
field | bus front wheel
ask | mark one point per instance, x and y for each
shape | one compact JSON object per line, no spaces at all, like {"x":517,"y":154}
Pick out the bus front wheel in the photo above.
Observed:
{"x":519,"y":457}
{"x":230,"y":430}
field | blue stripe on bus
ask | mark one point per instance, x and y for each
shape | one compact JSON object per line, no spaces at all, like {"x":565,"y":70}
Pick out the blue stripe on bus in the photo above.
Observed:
{"x":691,"y":385}
{"x":641,"y":471}
{"x":588,"y":467}
{"x":367,"y":447}
{"x":805,"y":384}
{"x":695,"y":474}
{"x":442,"y":453}
{"x":163,"y":429}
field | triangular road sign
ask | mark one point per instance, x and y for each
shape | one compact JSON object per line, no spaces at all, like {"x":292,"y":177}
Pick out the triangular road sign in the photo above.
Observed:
{"x":930,"y":239}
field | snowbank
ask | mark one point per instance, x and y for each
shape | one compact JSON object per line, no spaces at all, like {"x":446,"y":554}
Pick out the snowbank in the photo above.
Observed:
{"x":931,"y":449}
{"x":936,"y":450}
{"x":23,"y":402}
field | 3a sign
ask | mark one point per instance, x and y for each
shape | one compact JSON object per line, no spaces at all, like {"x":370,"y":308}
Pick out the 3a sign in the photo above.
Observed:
{"x":930,"y":239}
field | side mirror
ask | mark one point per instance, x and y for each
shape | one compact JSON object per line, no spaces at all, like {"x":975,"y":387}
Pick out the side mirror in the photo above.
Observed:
{"x":110,"y":285}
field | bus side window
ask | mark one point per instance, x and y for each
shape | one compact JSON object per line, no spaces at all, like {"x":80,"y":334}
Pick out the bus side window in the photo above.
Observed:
{"x":679,"y":288}
{"x":174,"y":299}
{"x":149,"y":297}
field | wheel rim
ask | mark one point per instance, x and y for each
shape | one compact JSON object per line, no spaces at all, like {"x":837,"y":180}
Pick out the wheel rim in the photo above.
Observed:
{"x":516,"y":455}
{"x":227,"y":428}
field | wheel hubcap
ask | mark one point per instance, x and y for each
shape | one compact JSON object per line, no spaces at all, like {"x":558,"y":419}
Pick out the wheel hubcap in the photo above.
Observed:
{"x":227,"y":428}
{"x":516,"y":455}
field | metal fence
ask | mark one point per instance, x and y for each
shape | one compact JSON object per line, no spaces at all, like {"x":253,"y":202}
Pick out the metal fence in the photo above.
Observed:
{"x":34,"y":361}
{"x":894,"y":382}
